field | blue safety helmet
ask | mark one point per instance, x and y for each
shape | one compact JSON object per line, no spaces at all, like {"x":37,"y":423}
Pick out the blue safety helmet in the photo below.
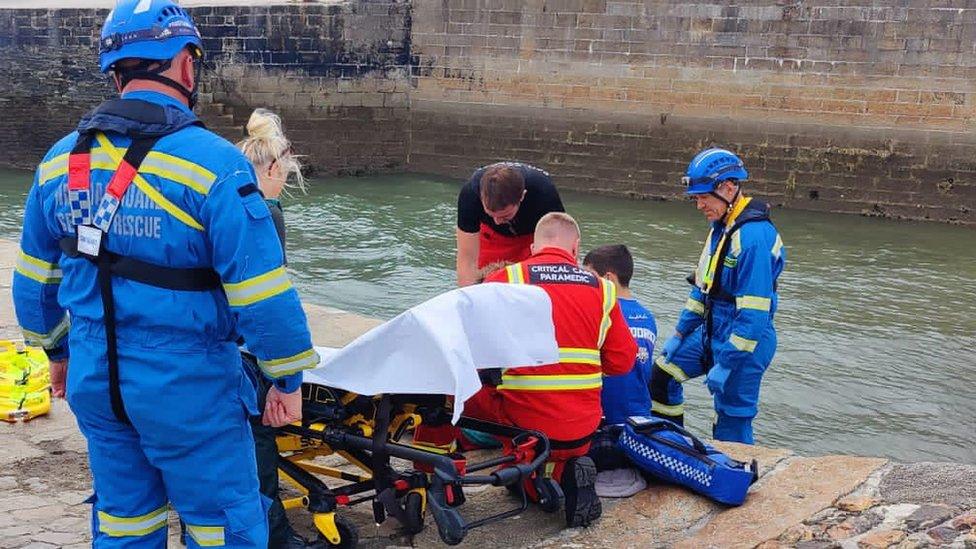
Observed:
{"x":146,"y":29}
{"x":711,"y":167}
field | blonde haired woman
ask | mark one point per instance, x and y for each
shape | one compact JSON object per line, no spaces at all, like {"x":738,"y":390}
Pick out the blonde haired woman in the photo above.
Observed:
{"x":270,"y":153}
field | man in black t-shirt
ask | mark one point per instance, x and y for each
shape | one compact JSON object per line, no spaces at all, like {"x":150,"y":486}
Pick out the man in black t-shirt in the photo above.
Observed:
{"x":498,"y":209}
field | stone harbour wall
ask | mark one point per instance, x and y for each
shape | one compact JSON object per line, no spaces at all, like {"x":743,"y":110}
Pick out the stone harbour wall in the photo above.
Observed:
{"x":839,"y":105}
{"x":338,"y":73}
{"x":856,"y":106}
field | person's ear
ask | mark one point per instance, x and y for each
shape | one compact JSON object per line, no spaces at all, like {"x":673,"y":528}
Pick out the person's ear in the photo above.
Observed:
{"x":730,"y":187}
{"x":187,"y":74}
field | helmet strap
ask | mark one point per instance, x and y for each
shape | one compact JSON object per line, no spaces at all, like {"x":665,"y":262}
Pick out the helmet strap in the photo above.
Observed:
{"x":728,"y":203}
{"x":142,"y":71}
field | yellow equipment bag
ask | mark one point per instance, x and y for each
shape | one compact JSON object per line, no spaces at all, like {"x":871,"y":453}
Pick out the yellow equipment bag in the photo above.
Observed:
{"x":25,"y":382}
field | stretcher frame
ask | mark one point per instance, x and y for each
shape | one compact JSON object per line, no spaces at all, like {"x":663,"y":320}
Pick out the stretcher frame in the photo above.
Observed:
{"x":365,"y":431}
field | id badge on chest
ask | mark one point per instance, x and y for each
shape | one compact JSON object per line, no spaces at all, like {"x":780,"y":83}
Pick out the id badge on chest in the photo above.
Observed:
{"x":89,"y":240}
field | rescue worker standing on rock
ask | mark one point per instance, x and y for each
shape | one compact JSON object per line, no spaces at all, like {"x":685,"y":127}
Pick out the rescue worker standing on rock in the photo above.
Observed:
{"x":498,"y":209}
{"x":725,"y":331}
{"x":149,"y":231}
{"x":563,"y":400}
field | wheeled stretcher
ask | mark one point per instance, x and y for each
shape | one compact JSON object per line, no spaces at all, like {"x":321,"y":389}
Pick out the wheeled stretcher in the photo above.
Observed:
{"x":366,"y":432}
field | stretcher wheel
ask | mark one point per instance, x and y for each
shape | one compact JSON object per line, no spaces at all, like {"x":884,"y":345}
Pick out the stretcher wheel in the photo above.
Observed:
{"x":348,"y":534}
{"x":451,"y":527}
{"x":550,"y":495}
{"x":413,"y":505}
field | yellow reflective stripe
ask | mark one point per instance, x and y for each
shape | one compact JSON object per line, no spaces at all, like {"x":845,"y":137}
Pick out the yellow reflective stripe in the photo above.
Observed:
{"x":148,"y":189}
{"x":570,"y":382}
{"x":777,"y":247}
{"x":38,"y":269}
{"x":52,"y":168}
{"x":289,"y":365}
{"x":695,"y":306}
{"x":515,"y":274}
{"x":179,"y":171}
{"x":736,"y":247}
{"x":743,"y":344}
{"x":50,"y":339}
{"x":671,"y":368}
{"x":252,"y":290}
{"x":579,"y":355}
{"x":142,"y":525}
{"x":753,"y":302}
{"x":609,"y":300}
{"x":667,"y":409}
{"x":206,"y":536}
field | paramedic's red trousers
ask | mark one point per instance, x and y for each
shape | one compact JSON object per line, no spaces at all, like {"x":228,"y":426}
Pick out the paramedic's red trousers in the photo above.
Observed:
{"x":488,"y":405}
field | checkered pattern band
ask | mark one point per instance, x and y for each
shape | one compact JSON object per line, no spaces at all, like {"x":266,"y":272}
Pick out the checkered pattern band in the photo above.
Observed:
{"x":105,"y":213}
{"x":80,"y":201}
{"x":644,"y":451}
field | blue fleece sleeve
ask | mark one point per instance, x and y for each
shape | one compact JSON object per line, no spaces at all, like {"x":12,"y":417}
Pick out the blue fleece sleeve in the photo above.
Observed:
{"x":248,"y":256}
{"x":37,"y":278}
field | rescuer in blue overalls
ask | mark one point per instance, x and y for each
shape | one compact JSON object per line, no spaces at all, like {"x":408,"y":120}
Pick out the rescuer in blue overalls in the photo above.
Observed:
{"x":725,"y":331}
{"x":150,"y":234}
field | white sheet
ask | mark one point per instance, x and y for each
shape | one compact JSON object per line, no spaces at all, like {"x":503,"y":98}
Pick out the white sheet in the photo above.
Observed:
{"x":438,"y":346}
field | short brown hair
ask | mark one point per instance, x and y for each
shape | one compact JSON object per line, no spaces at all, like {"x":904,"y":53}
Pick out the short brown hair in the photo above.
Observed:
{"x":502,"y":185}
{"x":613,"y":258}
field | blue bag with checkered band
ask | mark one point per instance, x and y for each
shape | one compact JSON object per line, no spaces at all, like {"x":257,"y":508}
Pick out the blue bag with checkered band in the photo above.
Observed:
{"x":668,"y":452}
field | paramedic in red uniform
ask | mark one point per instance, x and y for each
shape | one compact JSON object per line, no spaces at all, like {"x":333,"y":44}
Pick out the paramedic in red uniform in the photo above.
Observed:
{"x":563,"y":400}
{"x":498,"y":209}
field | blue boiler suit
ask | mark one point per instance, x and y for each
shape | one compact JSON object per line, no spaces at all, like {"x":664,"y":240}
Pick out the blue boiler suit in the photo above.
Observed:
{"x":193,"y":204}
{"x":740,"y":340}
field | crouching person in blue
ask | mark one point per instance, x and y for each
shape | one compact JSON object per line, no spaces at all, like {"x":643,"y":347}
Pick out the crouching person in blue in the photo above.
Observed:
{"x":149,"y":233}
{"x":628,"y":394}
{"x":725,"y":331}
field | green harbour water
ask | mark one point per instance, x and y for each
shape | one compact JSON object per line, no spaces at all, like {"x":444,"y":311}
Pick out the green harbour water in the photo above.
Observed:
{"x":877,"y":319}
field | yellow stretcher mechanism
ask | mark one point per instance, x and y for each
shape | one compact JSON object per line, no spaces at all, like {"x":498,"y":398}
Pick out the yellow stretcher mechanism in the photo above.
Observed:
{"x":25,"y":382}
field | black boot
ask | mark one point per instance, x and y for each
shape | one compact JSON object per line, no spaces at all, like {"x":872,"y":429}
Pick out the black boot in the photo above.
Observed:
{"x":579,"y":487}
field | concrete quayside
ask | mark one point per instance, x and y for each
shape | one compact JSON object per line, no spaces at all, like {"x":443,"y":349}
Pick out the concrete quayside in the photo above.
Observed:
{"x":799,"y":501}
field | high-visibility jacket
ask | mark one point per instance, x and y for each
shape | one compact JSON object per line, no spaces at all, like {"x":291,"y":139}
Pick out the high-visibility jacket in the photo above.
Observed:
{"x":563,"y":400}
